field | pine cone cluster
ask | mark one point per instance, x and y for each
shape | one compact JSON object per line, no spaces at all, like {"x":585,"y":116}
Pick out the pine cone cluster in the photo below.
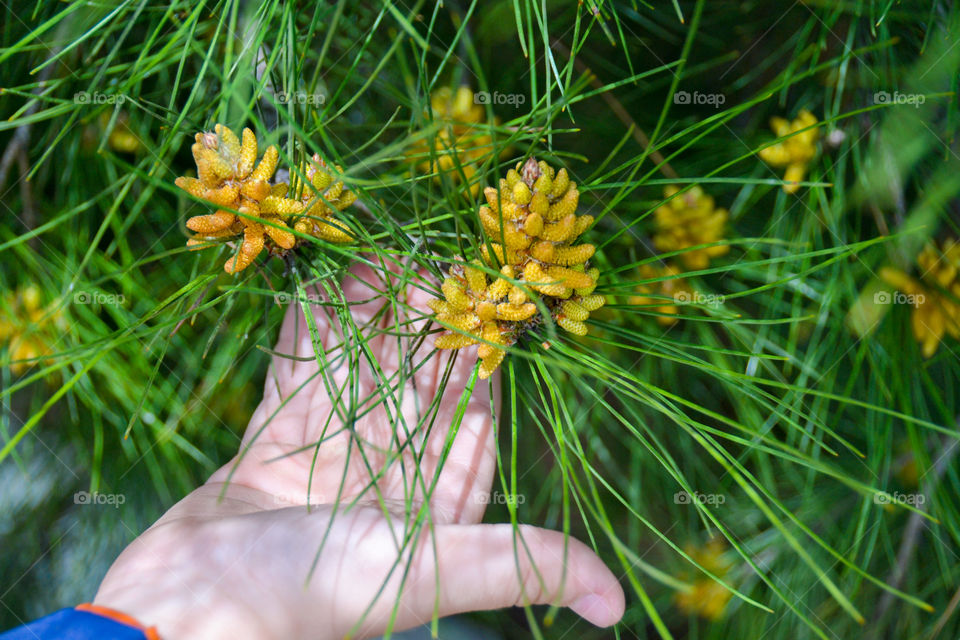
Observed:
{"x":531,"y":224}
{"x":662,"y":291}
{"x":460,"y":140}
{"x":705,"y":596}
{"x":229,"y":177}
{"x":934,"y":296}
{"x":689,"y":220}
{"x":795,"y":152}
{"x":319,"y":202}
{"x":29,"y":328}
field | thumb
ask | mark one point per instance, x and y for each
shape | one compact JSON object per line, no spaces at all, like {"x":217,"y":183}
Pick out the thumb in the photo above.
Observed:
{"x":491,"y":566}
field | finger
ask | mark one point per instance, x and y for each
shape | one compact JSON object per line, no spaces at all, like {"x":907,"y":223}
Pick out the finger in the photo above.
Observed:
{"x":364,"y":290}
{"x":489,"y":566}
{"x":469,"y":466}
{"x":468,"y":470}
{"x":359,"y":296}
{"x":407,"y":291}
{"x":294,"y":346}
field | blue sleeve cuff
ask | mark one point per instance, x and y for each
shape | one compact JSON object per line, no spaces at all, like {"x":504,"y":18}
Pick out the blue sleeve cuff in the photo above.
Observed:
{"x":73,"y":624}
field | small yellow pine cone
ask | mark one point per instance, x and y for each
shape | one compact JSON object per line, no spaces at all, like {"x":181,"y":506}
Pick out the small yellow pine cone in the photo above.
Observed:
{"x":439,"y":306}
{"x":793,"y":175}
{"x":228,"y":141}
{"x":539,"y":280}
{"x":476,"y":279}
{"x":571,"y":278}
{"x":255,"y":190}
{"x":464,"y":321}
{"x":574,"y":310}
{"x":559,"y":231}
{"x":215,"y":235}
{"x":579,"y":254}
{"x":517,"y":296}
{"x":320,"y":197}
{"x":570,"y":325}
{"x":515,"y":312}
{"x":248,"y":153}
{"x":498,"y":289}
{"x":540,"y":204}
{"x":521,"y":193}
{"x":491,"y":336}
{"x":212,"y":167}
{"x":250,"y":248}
{"x":486,"y":311}
{"x":777,"y":155}
{"x":197,"y":243}
{"x":529,"y":224}
{"x":592,"y":302}
{"x":458,"y":142}
{"x":454,"y":341}
{"x":515,"y":238}
{"x":566,"y":205}
{"x":533,"y":224}
{"x":492,"y":196}
{"x":212,"y":223}
{"x":226,"y":196}
{"x":489,"y":364}
{"x":583,"y":223}
{"x":561,"y":184}
{"x":332,"y":230}
{"x":191,"y":185}
{"x":323,"y":182}
{"x":936,"y":312}
{"x":267,"y":166}
{"x":490,"y":221}
{"x":281,"y":206}
{"x":281,"y":237}
{"x":333,"y":193}
{"x":544,"y":183}
{"x":543,"y":251}
{"x":586,"y":291}
{"x":455,"y":295}
{"x":231,"y":180}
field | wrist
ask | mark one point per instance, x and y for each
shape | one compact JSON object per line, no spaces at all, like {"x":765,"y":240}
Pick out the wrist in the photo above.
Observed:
{"x":163,"y":580}
{"x":175,"y":616}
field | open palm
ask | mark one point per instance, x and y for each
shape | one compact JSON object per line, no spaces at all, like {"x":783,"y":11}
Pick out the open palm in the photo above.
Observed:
{"x":396,"y":481}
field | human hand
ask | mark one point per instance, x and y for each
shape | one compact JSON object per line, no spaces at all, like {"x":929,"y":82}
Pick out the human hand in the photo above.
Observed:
{"x":384,"y":535}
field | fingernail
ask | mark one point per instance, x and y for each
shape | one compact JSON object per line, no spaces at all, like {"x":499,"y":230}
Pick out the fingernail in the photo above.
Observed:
{"x":594,"y":609}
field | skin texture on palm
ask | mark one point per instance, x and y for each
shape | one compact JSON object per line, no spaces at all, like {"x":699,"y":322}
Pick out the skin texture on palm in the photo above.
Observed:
{"x":243,"y":557}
